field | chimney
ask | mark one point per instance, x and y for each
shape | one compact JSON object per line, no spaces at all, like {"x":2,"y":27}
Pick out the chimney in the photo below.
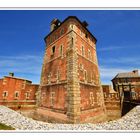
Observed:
{"x":85,"y":24}
{"x":136,"y":72}
{"x":11,"y":74}
{"x":55,"y":23}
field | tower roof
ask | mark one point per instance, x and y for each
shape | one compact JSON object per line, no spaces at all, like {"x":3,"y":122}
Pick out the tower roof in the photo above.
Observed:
{"x":83,"y":25}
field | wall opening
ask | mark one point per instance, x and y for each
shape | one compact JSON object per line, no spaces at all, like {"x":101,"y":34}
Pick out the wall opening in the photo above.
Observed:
{"x":53,"y":49}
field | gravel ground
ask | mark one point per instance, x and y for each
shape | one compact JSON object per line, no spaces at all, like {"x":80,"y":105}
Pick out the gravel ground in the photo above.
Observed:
{"x":131,"y":121}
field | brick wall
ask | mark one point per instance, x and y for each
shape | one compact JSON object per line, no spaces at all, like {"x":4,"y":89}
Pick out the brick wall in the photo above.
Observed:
{"x":112,"y":102}
{"x":17,"y":93}
{"x":70,"y":81}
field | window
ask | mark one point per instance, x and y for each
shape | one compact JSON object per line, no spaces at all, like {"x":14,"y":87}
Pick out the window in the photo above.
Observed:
{"x":83,"y":51}
{"x":16,"y":94}
{"x":72,"y":40}
{"x":53,"y":49}
{"x":5,"y":94}
{"x":85,"y":75}
{"x":61,"y":50}
{"x":27,"y":95}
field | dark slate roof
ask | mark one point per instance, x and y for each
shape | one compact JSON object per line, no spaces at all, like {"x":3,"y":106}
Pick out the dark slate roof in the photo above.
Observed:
{"x":78,"y":21}
{"x":132,"y":74}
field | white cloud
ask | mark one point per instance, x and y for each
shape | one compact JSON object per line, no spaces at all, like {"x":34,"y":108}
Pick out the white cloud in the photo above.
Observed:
{"x":123,"y":60}
{"x":111,"y":67}
{"x":29,"y":64}
{"x":110,"y":73}
{"x":111,"y":48}
{"x":120,"y":47}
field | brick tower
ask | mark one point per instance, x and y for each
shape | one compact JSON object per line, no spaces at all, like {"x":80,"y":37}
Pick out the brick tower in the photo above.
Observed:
{"x":70,"y":89}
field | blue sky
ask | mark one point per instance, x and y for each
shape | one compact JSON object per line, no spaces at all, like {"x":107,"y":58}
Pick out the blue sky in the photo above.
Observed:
{"x":22,"y":40}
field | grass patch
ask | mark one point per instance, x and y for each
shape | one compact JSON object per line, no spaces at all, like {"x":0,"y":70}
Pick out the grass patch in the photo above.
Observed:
{"x":5,"y":127}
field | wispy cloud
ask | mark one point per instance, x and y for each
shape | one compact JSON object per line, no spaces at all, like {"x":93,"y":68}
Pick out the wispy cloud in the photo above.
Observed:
{"x":26,"y":64}
{"x":122,"y":60}
{"x":118,"y":62}
{"x":119,"y":47}
{"x":111,"y":48}
{"x":108,"y":73}
{"x":112,"y":72}
{"x":30,"y":65}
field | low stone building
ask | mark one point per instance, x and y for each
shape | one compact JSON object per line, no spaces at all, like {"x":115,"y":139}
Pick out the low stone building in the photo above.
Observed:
{"x":70,"y":89}
{"x":17,"y":93}
{"x":128,"y":85}
{"x":112,"y":102}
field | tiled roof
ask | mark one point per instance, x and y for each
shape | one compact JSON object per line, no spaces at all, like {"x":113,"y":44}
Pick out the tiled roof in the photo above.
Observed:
{"x":127,"y":74}
{"x":18,"y":78}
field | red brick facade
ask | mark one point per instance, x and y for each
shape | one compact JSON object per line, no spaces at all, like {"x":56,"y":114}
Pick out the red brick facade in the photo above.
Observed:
{"x":112,"y":102}
{"x":17,"y":93}
{"x":70,"y":79}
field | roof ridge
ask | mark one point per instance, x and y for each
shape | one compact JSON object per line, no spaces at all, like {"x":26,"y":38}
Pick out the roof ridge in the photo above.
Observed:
{"x":18,"y":78}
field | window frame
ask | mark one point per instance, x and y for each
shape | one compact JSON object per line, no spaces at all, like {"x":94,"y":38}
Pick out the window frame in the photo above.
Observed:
{"x":27,"y":95}
{"x":61,"y":50}
{"x":53,"y":50}
{"x":5,"y":94}
{"x":83,"y":50}
{"x":16,"y":94}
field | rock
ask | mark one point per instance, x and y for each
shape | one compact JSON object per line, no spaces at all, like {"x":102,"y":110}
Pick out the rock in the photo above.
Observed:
{"x":130,"y":121}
